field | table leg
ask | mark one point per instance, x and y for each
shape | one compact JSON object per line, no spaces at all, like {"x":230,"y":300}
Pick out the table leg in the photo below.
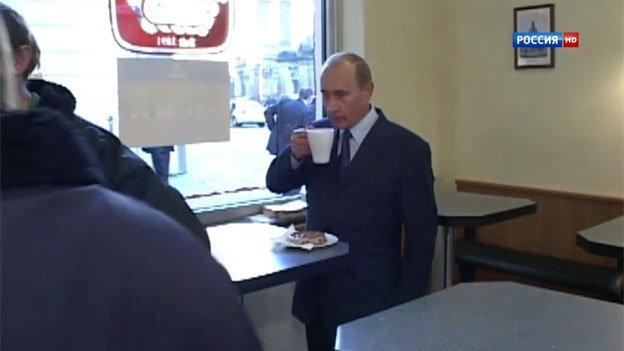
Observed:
{"x":470,"y":234}
{"x":449,"y":258}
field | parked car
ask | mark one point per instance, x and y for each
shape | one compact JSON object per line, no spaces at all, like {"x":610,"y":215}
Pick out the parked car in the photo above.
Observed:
{"x":245,"y":112}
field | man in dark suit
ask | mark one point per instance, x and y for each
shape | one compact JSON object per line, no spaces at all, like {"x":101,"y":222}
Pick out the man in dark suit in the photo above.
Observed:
{"x":286,"y":116}
{"x":376,"y":194}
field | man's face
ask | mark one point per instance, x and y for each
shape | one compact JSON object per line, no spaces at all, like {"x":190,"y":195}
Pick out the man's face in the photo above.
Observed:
{"x":346,"y":102}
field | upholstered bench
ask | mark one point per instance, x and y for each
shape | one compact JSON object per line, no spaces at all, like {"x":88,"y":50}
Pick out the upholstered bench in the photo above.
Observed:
{"x":602,"y":281}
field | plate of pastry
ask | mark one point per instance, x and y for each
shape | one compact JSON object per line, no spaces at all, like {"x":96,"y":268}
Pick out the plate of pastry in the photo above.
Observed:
{"x":310,"y":239}
{"x":306,"y":239}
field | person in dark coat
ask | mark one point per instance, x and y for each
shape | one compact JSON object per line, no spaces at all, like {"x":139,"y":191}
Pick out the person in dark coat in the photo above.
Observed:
{"x":286,"y":116}
{"x":86,"y":268}
{"x":376,"y":194}
{"x":160,"y":160}
{"x":312,"y":108}
{"x":124,"y":171}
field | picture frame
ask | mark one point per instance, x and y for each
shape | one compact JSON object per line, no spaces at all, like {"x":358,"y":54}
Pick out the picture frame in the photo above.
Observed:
{"x":538,"y":18}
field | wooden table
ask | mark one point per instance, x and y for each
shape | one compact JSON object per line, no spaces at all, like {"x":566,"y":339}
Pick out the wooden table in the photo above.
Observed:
{"x":456,"y":210}
{"x":248,"y":255}
{"x":490,"y":316}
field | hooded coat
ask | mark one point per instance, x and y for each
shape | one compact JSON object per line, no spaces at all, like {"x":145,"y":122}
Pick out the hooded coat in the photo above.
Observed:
{"x":86,"y":268}
{"x":123,"y":170}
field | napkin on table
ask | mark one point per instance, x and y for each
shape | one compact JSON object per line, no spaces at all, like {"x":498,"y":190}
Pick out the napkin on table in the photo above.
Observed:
{"x":281,"y":242}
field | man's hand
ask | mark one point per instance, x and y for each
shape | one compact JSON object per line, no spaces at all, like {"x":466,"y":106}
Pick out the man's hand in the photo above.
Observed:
{"x":299,"y":145}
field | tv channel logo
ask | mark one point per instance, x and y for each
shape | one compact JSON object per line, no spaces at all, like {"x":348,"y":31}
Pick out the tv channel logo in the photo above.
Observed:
{"x":546,"y":39}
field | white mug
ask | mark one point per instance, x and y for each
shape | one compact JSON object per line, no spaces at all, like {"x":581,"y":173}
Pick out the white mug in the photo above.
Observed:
{"x":321,"y":140}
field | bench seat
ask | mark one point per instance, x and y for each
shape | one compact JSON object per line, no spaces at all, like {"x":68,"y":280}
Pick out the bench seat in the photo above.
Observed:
{"x":603,"y":281}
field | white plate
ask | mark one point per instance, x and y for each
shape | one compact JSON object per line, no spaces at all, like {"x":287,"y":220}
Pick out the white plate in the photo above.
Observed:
{"x":331,"y":240}
{"x":293,"y":206}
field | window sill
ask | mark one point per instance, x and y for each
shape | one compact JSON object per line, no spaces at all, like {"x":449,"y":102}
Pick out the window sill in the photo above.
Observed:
{"x":212,"y":213}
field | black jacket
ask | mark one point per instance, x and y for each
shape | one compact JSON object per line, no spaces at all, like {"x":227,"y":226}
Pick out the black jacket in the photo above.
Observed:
{"x":383,"y":206}
{"x":282,"y":119}
{"x":123,"y":170}
{"x":86,"y":268}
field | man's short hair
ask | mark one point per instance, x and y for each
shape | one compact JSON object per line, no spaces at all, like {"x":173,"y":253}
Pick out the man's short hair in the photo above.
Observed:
{"x":19,"y":35}
{"x":363,"y":74}
{"x":305,"y":93}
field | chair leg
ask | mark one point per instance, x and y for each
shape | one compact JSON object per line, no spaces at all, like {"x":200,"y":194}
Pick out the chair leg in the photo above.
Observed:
{"x":467,"y":270}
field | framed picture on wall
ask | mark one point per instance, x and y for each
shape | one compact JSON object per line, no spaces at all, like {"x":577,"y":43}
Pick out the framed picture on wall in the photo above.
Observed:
{"x":540,"y":18}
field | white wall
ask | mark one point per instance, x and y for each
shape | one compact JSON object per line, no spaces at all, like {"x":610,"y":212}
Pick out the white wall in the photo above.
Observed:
{"x":409,"y":47}
{"x":350,"y":26}
{"x":560,"y":128}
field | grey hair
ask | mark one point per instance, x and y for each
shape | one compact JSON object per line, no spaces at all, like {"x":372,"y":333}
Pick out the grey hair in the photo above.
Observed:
{"x":363,"y":74}
{"x":8,"y":87}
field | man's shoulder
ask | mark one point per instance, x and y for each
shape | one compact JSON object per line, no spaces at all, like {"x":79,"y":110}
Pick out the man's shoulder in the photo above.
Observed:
{"x":84,"y":124}
{"x":402,"y":135}
{"x":97,"y":137}
{"x":117,"y":160}
{"x":290,"y":106}
{"x":128,"y":214}
{"x":111,"y":215}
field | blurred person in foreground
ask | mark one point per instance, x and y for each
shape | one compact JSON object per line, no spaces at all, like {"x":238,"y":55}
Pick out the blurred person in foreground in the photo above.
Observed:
{"x":86,"y":268}
{"x":376,"y":194}
{"x":123,"y":171}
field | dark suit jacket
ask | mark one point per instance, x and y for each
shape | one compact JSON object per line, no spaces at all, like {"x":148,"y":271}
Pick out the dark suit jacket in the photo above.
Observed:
{"x":387,"y":187}
{"x":282,"y":119}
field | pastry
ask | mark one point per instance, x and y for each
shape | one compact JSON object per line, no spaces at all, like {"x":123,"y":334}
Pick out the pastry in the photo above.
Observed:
{"x":307,"y":237}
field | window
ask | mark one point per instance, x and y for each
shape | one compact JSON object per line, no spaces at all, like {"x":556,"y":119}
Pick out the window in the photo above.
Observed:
{"x":274,"y":52}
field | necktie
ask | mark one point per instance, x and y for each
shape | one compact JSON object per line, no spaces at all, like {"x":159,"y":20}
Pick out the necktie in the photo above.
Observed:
{"x":345,"y":150}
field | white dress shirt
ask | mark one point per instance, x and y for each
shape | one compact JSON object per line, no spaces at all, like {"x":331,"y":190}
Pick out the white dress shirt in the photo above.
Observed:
{"x":358,"y":133}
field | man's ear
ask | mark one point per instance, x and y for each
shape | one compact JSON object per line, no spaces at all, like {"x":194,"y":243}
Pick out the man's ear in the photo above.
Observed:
{"x":23,"y":55}
{"x":368,"y":89}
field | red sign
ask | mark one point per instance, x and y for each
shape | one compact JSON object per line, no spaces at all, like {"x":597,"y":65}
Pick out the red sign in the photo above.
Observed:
{"x":171,"y":26}
{"x":571,"y":39}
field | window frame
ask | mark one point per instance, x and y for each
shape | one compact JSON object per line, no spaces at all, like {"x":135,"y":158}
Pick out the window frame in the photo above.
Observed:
{"x":325,"y":37}
{"x":325,"y":29}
